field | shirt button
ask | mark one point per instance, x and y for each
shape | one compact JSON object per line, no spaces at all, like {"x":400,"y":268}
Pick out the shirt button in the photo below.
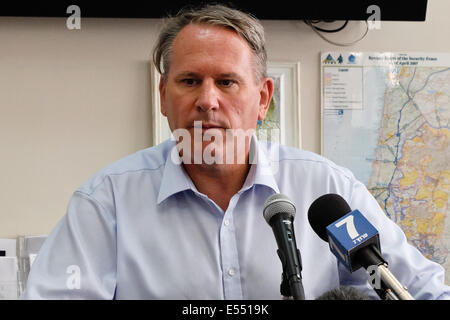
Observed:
{"x":226,"y":222}
{"x":231,"y":272}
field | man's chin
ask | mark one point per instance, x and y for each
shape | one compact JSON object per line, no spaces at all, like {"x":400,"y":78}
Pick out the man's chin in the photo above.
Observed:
{"x":212,"y":154}
{"x":212,"y":146}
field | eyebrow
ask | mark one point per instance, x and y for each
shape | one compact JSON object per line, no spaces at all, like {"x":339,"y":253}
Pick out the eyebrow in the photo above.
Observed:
{"x":187,"y":74}
{"x":233,"y":75}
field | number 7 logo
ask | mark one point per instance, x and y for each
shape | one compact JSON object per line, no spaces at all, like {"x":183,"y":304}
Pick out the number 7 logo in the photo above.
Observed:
{"x":349,"y":223}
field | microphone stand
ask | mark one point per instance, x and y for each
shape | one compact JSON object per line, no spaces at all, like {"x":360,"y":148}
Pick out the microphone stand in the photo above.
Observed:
{"x":391,"y":288}
{"x":396,"y":290}
{"x":285,"y":289}
{"x":291,"y":287}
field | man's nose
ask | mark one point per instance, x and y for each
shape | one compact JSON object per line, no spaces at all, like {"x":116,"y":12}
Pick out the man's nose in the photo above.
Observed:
{"x":208,"y":97}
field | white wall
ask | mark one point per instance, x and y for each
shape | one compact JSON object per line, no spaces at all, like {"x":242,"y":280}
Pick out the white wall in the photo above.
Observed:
{"x":72,"y":101}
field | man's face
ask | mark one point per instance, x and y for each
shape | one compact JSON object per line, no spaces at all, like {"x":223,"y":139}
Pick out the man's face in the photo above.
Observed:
{"x":212,"y":79}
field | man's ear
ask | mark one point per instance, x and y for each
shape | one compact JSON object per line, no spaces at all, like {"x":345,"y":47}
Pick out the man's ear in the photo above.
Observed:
{"x":162,"y":94}
{"x":266,"y":93}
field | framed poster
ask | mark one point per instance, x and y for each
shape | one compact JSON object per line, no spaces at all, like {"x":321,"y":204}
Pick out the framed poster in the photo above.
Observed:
{"x":161,"y":130}
{"x":284,"y":110}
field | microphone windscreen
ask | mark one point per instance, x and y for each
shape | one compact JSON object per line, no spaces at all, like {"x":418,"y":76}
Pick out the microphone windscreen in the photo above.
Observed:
{"x":278,"y":203}
{"x":324,"y":211}
{"x":344,"y":293}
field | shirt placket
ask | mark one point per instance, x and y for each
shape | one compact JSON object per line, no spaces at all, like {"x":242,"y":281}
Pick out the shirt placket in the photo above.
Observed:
{"x":229,"y":254}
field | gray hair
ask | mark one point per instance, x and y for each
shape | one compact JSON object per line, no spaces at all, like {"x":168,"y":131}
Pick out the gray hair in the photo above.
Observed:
{"x":244,"y":24}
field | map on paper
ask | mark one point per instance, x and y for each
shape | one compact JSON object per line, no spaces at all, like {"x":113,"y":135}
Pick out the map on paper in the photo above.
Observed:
{"x":392,"y":129}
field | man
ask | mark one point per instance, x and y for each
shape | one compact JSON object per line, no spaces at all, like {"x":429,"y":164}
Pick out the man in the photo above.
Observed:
{"x":183,"y":220}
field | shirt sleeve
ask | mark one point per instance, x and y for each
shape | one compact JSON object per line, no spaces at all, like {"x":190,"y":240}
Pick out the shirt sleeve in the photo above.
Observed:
{"x":78,"y":259}
{"x":423,"y":278}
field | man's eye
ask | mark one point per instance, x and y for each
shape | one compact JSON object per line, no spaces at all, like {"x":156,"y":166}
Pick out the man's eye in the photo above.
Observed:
{"x":226,"y":82}
{"x":189,"y":82}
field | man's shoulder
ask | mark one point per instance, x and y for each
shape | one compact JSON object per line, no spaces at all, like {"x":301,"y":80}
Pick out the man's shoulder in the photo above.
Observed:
{"x":296,"y":158}
{"x":150,"y":159}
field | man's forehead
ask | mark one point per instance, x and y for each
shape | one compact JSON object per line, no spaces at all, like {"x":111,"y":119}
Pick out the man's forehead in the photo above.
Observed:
{"x":199,"y":32}
{"x":204,"y":30}
{"x":208,"y":44}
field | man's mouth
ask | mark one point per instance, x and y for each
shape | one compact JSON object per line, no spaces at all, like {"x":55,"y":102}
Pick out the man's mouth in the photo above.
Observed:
{"x":206,"y":125}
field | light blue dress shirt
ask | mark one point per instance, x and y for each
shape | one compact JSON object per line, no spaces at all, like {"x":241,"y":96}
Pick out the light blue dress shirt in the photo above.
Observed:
{"x":139,"y":229}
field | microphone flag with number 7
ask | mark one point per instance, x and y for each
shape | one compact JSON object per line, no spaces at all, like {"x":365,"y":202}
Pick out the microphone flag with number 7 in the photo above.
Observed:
{"x":348,"y":235}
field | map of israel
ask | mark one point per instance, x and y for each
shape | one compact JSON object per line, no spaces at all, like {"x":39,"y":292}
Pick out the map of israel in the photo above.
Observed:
{"x":397,"y":141}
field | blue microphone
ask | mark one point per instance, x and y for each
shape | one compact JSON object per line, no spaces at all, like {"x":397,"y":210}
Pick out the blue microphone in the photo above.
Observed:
{"x":354,"y":241}
{"x":350,"y":234}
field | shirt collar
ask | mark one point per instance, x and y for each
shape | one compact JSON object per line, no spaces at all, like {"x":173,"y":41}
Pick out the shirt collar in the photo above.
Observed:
{"x":175,"y":179}
{"x":263,"y":165}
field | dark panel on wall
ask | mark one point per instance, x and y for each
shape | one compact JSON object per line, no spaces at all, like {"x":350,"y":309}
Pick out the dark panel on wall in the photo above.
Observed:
{"x":390,"y":10}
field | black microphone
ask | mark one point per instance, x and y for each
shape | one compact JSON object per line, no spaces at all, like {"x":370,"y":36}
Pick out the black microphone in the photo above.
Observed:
{"x":354,"y":241}
{"x":279,"y":212}
{"x":344,"y":293}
